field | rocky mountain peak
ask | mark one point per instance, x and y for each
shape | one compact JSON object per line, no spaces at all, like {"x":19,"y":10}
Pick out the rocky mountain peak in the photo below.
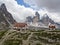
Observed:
{"x":46,"y":15}
{"x":46,"y":20}
{"x":5,"y":17}
{"x":3,"y":7}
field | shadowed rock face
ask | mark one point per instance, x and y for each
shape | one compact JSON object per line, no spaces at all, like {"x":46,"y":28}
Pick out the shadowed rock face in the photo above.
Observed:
{"x":46,"y":20}
{"x":3,"y":11}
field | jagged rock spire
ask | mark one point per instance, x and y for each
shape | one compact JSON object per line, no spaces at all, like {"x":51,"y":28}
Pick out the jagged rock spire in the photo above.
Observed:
{"x":5,"y":16}
{"x":3,"y":7}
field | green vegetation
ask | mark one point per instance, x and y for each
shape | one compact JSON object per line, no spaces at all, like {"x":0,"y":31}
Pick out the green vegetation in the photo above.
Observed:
{"x":55,"y":31}
{"x":48,"y":35}
{"x":38,"y":36}
{"x":2,"y":32}
{"x":37,"y":30}
{"x":25,"y":36}
{"x":13,"y":42}
{"x":19,"y":35}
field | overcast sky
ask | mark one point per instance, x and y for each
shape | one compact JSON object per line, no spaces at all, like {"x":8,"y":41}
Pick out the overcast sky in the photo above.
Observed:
{"x":20,"y":9}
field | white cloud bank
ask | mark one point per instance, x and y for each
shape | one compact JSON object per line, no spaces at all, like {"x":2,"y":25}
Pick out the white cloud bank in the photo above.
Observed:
{"x":52,"y":7}
{"x":20,"y":12}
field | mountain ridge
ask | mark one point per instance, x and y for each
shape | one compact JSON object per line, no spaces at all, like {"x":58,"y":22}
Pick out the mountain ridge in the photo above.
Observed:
{"x":5,"y":17}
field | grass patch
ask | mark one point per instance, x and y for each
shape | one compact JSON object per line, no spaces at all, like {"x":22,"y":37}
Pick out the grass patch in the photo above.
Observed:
{"x":37,"y":30}
{"x":13,"y":42}
{"x":55,"y":31}
{"x":2,"y":33}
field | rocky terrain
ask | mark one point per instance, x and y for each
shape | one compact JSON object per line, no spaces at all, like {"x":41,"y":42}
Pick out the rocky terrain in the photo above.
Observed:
{"x":30,"y":37}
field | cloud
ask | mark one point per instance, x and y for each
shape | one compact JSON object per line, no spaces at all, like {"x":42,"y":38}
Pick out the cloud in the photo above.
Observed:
{"x":50,"y":5}
{"x":18,"y":12}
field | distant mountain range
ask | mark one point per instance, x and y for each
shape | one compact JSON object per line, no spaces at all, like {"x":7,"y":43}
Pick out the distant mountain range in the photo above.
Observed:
{"x":5,"y":17}
{"x":44,"y":21}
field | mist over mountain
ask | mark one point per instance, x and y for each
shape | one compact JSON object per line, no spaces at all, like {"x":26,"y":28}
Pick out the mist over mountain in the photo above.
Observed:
{"x":44,"y":21}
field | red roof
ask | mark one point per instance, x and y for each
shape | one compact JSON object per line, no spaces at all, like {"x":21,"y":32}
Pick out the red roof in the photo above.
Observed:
{"x":20,"y":24}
